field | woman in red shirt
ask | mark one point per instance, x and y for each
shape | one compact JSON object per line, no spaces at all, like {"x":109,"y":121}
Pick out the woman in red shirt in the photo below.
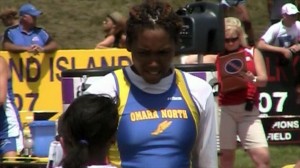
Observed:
{"x":239,"y":108}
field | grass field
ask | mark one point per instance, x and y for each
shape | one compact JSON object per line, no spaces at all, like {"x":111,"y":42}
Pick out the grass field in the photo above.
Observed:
{"x":280,"y":156}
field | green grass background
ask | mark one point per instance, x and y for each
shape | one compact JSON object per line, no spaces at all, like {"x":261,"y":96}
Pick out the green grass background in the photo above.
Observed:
{"x":280,"y":156}
{"x":76,"y":24}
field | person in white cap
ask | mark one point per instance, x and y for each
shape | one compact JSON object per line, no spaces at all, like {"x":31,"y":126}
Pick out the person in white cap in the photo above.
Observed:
{"x":283,"y":37}
{"x":26,"y":36}
{"x":274,"y":9}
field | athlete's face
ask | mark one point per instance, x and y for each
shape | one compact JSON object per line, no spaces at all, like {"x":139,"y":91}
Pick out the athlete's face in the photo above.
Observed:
{"x":152,"y":54}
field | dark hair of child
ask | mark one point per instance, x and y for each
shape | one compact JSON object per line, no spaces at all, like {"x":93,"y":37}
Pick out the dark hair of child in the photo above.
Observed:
{"x":88,"y":129}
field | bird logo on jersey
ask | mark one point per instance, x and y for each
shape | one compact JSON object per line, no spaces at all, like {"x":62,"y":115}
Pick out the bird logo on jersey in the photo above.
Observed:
{"x":161,"y":127}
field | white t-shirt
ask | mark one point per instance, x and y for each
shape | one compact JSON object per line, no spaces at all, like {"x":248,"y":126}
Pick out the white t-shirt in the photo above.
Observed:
{"x":282,"y":36}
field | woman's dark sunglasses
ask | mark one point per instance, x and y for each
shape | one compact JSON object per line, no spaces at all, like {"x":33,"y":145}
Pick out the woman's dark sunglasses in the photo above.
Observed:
{"x":227,"y":40}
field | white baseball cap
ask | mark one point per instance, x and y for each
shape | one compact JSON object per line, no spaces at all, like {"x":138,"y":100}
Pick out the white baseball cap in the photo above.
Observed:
{"x":289,"y":9}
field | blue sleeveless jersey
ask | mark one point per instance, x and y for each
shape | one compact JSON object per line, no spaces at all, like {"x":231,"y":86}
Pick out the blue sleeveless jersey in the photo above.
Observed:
{"x":155,"y":130}
{"x":10,"y":124}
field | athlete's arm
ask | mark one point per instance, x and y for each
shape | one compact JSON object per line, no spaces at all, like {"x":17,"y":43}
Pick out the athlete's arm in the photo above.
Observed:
{"x":205,"y":149}
{"x":207,"y":144}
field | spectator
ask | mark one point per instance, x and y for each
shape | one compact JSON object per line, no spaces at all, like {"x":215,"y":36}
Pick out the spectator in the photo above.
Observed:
{"x":283,"y":37}
{"x":26,"y":36}
{"x":87,"y":129}
{"x":160,"y":107}
{"x":11,"y":135}
{"x":9,"y":17}
{"x":242,"y":12}
{"x":274,"y":9}
{"x":113,"y":27}
{"x":239,"y":108}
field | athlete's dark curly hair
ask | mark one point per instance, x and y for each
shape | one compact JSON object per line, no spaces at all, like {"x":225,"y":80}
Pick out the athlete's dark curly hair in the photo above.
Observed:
{"x":152,"y":14}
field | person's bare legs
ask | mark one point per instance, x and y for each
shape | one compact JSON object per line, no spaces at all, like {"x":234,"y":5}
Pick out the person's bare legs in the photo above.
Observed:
{"x":260,"y":157}
{"x":227,"y":158}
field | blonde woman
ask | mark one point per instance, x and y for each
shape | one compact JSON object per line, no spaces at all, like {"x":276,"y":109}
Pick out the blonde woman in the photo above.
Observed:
{"x":239,"y":108}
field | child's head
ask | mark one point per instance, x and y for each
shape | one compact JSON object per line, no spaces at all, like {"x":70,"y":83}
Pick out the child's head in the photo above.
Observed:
{"x":87,"y":128}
